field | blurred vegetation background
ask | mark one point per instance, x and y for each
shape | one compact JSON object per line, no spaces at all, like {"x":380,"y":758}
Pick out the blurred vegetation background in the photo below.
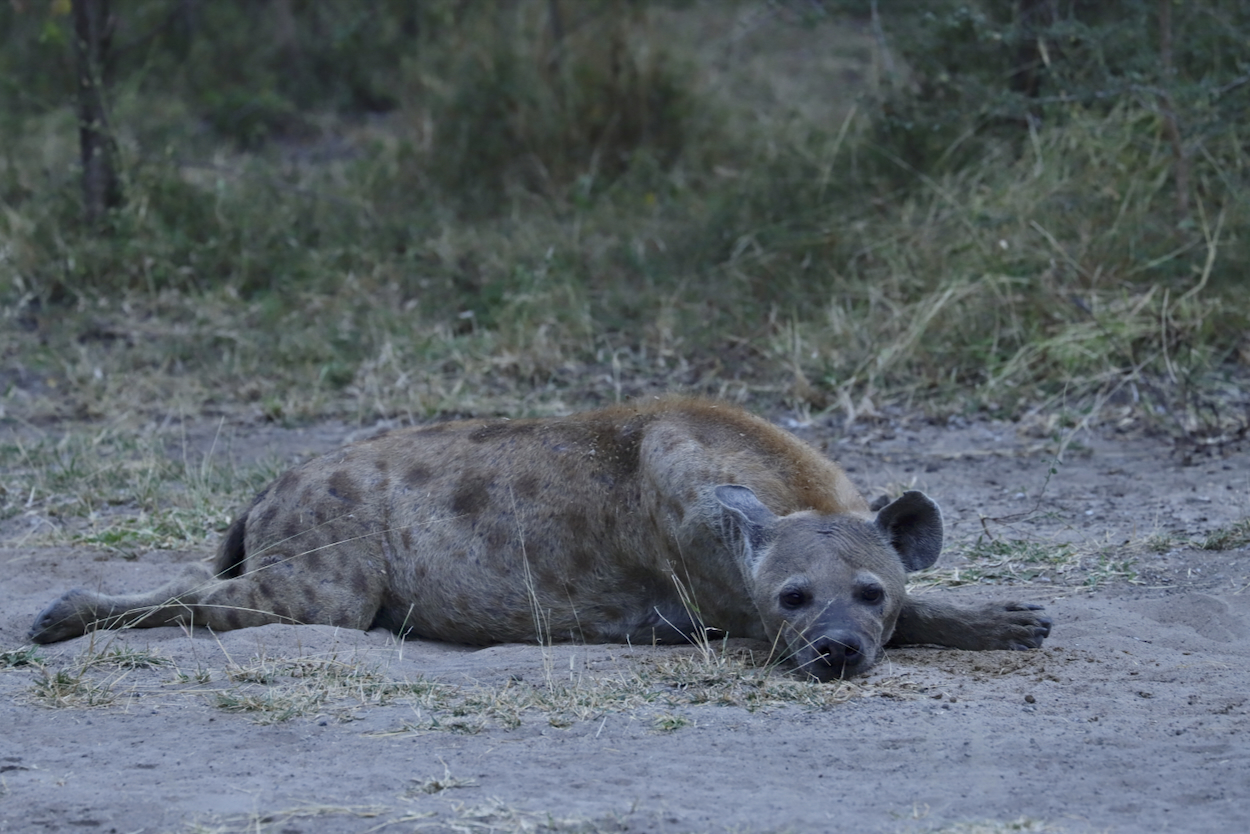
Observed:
{"x":294,"y":209}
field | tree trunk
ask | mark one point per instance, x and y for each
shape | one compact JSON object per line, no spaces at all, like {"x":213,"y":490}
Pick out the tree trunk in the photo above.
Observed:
{"x":1171,"y":127}
{"x":101,"y":188}
{"x":1034,"y":18}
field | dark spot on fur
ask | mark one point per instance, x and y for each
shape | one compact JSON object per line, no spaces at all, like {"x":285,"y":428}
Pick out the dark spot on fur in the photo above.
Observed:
{"x":644,"y":584}
{"x":292,"y":529}
{"x":549,"y":576}
{"x":471,"y":495}
{"x":417,"y":475}
{"x":267,"y":515}
{"x":266,"y":561}
{"x":232,"y":618}
{"x":527,"y":487}
{"x":492,"y":431}
{"x":312,"y":561}
{"x":405,"y":538}
{"x":286,"y":482}
{"x":583,"y":561}
{"x":265,"y":587}
{"x":360,"y":582}
{"x":344,"y":487}
{"x":380,"y":464}
{"x":578,"y":524}
{"x":497,"y":538}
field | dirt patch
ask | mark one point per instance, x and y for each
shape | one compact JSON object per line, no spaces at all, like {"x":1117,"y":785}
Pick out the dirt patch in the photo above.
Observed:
{"x":1132,"y":718}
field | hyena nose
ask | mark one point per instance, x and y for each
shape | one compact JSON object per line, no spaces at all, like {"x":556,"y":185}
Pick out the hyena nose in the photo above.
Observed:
{"x":843,"y":651}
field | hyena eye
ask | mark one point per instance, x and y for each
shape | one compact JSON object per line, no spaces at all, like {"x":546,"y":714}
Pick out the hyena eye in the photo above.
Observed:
{"x":793,"y":598}
{"x":871,"y":593}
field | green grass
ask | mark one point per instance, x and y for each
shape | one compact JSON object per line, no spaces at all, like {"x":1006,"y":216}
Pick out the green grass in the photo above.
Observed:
{"x":669,"y":723}
{"x":17,"y":658}
{"x":67,"y":688}
{"x":122,"y":492}
{"x":492,"y":246}
{"x":1230,"y":537}
{"x":1106,"y":567}
{"x":997,"y":561}
{"x":125,"y":657}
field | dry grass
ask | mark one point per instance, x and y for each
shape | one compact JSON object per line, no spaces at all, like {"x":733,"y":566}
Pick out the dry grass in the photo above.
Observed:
{"x":1023,"y":824}
{"x":65,"y":688}
{"x":1003,"y":561}
{"x":1228,"y":538}
{"x":121,"y":492}
{"x":662,"y":688}
{"x":283,"y":819}
{"x":491,"y":816}
{"x":749,"y":250}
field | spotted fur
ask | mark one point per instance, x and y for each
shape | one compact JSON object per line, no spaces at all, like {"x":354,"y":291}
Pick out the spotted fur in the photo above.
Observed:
{"x":643,"y":522}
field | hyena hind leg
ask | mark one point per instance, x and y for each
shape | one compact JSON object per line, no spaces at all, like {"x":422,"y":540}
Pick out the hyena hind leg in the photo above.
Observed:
{"x":195,"y":597}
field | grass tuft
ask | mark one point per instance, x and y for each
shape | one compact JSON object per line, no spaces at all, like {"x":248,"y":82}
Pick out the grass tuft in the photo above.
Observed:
{"x":18,"y":658}
{"x":64,"y":688}
{"x":275,"y":690}
{"x":1021,"y":824}
{"x":125,"y":657}
{"x":438,"y":784}
{"x":1231,"y":537}
{"x":995,"y":561}
{"x":669,"y":723}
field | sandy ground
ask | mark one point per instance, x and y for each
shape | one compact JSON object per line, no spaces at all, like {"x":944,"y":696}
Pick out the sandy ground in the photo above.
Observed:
{"x":1134,"y":717}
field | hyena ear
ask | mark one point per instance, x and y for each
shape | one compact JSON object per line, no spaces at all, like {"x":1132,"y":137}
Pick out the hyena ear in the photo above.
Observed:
{"x":745,"y":521}
{"x":913,"y":525}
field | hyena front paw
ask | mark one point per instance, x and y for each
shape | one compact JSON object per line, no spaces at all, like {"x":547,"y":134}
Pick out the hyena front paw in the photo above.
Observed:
{"x":1018,"y":625}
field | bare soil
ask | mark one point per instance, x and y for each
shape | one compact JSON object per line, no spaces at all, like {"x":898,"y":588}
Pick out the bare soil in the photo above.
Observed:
{"x":1134,"y":717}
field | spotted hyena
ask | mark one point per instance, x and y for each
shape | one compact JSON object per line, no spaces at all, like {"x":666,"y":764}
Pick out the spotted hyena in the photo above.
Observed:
{"x":640,"y":523}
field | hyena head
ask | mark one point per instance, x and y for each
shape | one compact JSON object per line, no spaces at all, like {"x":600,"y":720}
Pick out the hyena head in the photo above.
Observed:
{"x":829,"y":587}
